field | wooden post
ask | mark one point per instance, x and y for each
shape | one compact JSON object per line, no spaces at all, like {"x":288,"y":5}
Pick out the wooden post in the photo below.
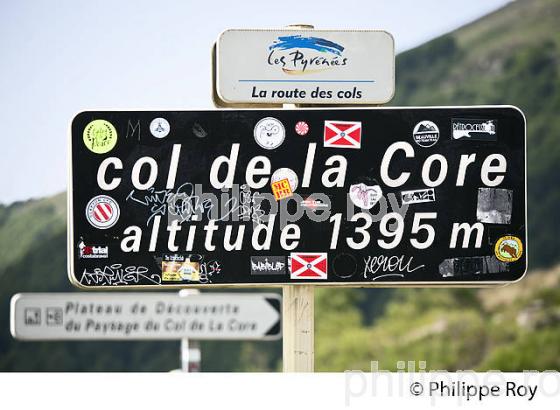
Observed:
{"x":298,"y":328}
{"x":298,"y":312}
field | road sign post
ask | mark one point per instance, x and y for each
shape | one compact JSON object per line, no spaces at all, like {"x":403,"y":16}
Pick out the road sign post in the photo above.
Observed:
{"x":298,"y":348}
{"x":299,"y":198}
{"x":298,"y":339}
{"x":191,"y":354}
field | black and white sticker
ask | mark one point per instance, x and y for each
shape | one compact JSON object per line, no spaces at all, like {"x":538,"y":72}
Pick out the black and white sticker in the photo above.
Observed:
{"x":418,"y":196}
{"x":425,"y":134}
{"x":474,"y":130}
{"x":269,"y":133}
{"x":268,"y":265}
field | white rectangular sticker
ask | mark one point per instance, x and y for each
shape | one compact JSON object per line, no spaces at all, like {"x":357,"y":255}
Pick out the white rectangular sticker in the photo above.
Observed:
{"x":305,"y":66}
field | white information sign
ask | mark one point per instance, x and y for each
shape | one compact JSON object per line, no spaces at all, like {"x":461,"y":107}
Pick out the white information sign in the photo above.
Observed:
{"x":145,"y":316}
{"x":294,"y":66}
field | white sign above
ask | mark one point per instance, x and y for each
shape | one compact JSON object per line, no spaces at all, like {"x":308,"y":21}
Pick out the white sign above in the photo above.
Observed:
{"x":294,"y":66}
{"x":143,"y":316}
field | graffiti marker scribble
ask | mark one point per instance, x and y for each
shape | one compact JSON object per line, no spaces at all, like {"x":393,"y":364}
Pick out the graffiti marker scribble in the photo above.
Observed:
{"x":116,"y":274}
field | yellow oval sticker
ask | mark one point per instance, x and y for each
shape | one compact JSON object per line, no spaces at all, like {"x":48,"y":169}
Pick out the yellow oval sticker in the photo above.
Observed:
{"x":100,"y":136}
{"x":508,"y":249}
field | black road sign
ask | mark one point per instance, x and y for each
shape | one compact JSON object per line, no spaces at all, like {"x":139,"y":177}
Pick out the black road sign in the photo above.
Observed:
{"x":323,"y":196}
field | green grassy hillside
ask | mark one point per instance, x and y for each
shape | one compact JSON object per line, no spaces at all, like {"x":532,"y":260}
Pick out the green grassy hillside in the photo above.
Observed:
{"x":508,"y":57}
{"x":512,"y":328}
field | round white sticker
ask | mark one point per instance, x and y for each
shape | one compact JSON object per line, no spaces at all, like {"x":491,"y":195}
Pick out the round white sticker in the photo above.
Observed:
{"x":269,"y":133}
{"x":365,"y":196}
{"x":102,"y":212}
{"x":285,"y":173}
{"x":159,"y":127}
{"x":425,"y":133}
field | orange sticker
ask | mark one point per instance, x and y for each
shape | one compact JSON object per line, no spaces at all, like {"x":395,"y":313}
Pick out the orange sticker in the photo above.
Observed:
{"x":281,"y":189}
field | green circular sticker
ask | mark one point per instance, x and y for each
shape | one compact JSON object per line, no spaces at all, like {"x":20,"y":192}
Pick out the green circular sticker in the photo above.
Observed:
{"x":100,"y":136}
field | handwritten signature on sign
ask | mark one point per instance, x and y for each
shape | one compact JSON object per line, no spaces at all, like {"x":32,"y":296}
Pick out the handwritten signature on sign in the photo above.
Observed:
{"x":382,"y":266}
{"x":186,"y":205}
{"x":183,"y":203}
{"x":117,"y":274}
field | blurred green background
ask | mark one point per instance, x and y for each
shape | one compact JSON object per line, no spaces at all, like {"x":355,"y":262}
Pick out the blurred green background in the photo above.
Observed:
{"x":511,"y":56}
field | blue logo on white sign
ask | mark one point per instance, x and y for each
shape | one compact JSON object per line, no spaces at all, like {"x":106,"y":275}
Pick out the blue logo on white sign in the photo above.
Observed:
{"x":301,"y":55}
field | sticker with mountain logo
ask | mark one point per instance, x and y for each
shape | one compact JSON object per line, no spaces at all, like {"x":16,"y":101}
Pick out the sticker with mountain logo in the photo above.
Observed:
{"x":425,"y":134}
{"x":474,"y":130}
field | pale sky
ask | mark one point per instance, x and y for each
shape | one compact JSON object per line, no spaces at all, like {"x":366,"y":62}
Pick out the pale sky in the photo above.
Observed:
{"x":58,"y":58}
